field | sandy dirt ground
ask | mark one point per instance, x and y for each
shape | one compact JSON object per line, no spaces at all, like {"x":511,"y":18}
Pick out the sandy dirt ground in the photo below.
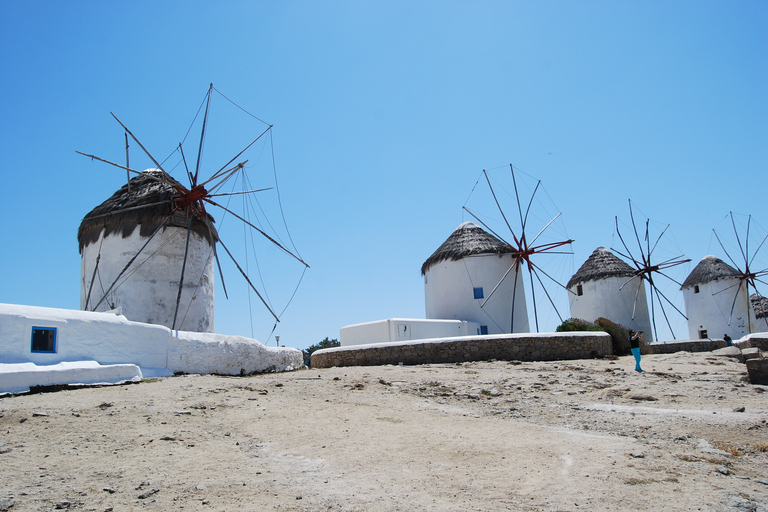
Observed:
{"x":688,"y":434}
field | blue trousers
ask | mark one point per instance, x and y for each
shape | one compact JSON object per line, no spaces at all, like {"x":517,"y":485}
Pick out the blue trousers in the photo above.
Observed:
{"x":636,"y":353}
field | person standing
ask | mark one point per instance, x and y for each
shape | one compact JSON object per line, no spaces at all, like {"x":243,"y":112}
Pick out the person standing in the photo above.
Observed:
{"x":634,"y":342}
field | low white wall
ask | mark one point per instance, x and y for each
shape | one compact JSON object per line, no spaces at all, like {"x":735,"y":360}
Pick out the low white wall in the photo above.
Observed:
{"x":404,"y":329}
{"x":20,"y":377}
{"x":108,"y":338}
{"x":197,"y":352}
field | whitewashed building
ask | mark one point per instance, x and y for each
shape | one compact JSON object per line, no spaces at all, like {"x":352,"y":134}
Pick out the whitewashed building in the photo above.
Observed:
{"x":124,"y":266}
{"x":607,"y":287}
{"x":716,"y":301}
{"x":460,"y":277}
{"x":59,"y":346}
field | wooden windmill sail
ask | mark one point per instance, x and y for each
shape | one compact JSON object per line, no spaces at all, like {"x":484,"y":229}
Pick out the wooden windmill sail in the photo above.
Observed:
{"x":163,"y":212}
{"x":524,"y":247}
{"x":649,"y":269}
{"x":748,"y":265}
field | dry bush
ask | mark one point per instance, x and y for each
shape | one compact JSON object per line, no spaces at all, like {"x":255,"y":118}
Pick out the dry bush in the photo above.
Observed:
{"x":727,"y":447}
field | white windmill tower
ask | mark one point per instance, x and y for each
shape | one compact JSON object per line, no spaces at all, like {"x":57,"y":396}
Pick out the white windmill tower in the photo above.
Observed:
{"x":462,"y":272}
{"x":607,"y":287}
{"x":712,"y":311}
{"x":136,"y":232}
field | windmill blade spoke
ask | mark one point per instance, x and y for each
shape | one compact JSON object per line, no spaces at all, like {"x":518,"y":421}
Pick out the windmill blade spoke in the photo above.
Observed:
{"x":666,"y":318}
{"x":112,"y":163}
{"x":493,"y":193}
{"x":558,"y":283}
{"x":241,"y":152}
{"x":647,"y":238}
{"x":547,"y":293}
{"x":221,"y":274}
{"x":533,"y":297}
{"x":627,"y":282}
{"x":634,"y":227}
{"x":653,"y":316}
{"x":658,"y":292}
{"x":746,"y":239}
{"x":718,"y":292}
{"x":202,"y":136}
{"x":183,"y":269}
{"x":515,"y":264}
{"x":238,"y":193}
{"x":249,"y":281}
{"x":130,"y":262}
{"x":758,"y":250}
{"x":527,"y":210}
{"x":733,"y":304}
{"x":517,"y":198}
{"x":725,"y":251}
{"x":514,"y":303}
{"x":637,"y":294}
{"x":629,"y":253}
{"x":227,"y":175}
{"x":257,"y":229}
{"x":670,"y":278}
{"x":491,"y":231}
{"x":138,"y":142}
{"x":93,"y":279}
{"x":554,"y":245}
{"x":622,"y":254}
{"x":738,"y":239}
{"x":545,"y":227}
{"x":671,"y":262}
{"x":658,"y":239}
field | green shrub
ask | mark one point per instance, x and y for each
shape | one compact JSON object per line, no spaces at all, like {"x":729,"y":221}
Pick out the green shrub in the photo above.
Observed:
{"x":619,"y":336}
{"x":577,"y":324}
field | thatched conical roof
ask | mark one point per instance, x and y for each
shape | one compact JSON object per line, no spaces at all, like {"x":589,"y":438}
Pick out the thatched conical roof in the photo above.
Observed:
{"x":602,"y":264}
{"x":144,"y":202}
{"x":759,"y":305}
{"x":709,"y":269}
{"x":468,"y":239}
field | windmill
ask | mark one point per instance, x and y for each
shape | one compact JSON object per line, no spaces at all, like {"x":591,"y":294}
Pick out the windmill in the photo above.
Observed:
{"x":745,"y":262}
{"x":551,"y":239}
{"x":646,"y":266}
{"x":168,"y":204}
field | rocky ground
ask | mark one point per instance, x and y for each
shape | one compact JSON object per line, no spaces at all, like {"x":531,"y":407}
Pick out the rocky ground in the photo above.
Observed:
{"x":688,"y":434}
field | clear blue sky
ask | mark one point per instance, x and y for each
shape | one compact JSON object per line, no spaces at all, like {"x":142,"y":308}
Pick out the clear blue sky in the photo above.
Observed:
{"x":384,"y":115}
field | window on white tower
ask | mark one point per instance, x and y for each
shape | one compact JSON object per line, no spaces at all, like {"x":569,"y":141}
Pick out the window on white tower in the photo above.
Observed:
{"x":478,"y":293}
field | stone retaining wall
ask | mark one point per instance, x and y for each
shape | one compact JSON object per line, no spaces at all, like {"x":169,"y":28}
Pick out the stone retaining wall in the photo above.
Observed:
{"x":521,"y":347}
{"x":683,"y":346}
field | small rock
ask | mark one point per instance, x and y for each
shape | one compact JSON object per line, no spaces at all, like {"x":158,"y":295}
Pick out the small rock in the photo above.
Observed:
{"x":5,"y":448}
{"x":637,"y":455}
{"x":278,"y":384}
{"x":168,"y":438}
{"x":110,"y":490}
{"x":149,"y":493}
{"x":739,"y":409}
{"x":382,"y":381}
{"x":6,"y":504}
{"x":723,"y":470}
{"x":62,"y":505}
{"x":640,"y":397}
{"x":40,"y":414}
{"x":105,"y":405}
